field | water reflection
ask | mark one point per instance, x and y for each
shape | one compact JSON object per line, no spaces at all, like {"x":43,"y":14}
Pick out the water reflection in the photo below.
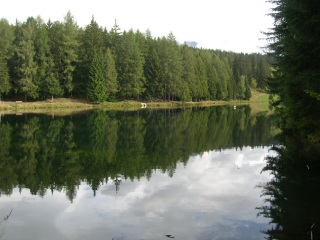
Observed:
{"x":292,"y":196}
{"x":41,"y":153}
{"x":210,"y":198}
{"x":135,"y":175}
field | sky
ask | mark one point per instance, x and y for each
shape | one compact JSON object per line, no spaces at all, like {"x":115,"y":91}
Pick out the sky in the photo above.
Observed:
{"x":230,"y":25}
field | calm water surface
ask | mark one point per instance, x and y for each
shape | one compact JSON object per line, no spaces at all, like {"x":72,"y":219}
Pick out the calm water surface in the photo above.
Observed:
{"x":134,"y":175}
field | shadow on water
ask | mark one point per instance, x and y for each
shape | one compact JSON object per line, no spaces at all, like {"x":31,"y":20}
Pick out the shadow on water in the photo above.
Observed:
{"x":292,"y":197}
{"x":40,"y":152}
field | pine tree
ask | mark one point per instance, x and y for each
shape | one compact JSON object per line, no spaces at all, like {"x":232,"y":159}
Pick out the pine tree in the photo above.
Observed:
{"x":222,"y":80}
{"x":189,"y":70}
{"x":91,"y":40}
{"x":6,"y":39}
{"x":152,"y":71}
{"x":27,"y":67}
{"x":51,"y":85}
{"x":6,"y":51}
{"x":241,"y":88}
{"x":130,"y":63}
{"x":111,"y":75}
{"x":46,"y":75}
{"x":171,"y":65}
{"x":201,"y":73}
{"x":68,"y":51}
{"x":97,"y":87}
{"x":4,"y":77}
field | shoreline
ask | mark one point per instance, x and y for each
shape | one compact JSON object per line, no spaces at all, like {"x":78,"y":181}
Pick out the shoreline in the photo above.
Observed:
{"x":66,"y":105}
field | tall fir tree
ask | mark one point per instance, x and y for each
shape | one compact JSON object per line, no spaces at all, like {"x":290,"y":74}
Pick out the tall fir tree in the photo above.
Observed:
{"x":6,"y":39}
{"x":4,"y":77}
{"x":6,"y":51}
{"x":26,"y":67}
{"x":152,"y":71}
{"x":91,"y":41}
{"x":130,"y":63}
{"x":97,"y":87}
{"x":111,"y":75}
{"x":189,"y":70}
{"x":68,"y":51}
{"x":171,"y":65}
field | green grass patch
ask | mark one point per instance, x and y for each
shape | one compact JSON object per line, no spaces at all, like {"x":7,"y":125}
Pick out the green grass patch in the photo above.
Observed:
{"x":263,"y":97}
{"x":263,"y":107}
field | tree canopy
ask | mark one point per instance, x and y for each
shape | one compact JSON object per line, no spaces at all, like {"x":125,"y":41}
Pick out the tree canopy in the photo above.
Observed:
{"x":45,"y":60}
{"x":295,"y":51}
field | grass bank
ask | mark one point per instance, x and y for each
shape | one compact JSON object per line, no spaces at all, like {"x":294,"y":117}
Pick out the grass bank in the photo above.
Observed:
{"x":69,"y":105}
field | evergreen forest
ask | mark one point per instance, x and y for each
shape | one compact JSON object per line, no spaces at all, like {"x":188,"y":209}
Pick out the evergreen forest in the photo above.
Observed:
{"x":41,"y":60}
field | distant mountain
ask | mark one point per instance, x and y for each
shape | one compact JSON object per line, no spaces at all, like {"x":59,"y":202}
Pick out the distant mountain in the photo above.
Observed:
{"x":192,"y":44}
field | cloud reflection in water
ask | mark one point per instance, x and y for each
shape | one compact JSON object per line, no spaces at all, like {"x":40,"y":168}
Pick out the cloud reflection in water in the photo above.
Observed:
{"x":210,"y":198}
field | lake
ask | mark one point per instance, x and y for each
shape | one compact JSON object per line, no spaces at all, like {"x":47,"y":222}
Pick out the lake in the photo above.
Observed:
{"x":148,"y":174}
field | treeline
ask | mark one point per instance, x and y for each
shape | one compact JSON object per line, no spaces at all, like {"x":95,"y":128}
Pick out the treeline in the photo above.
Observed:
{"x":42,"y":60}
{"x":39,"y":152}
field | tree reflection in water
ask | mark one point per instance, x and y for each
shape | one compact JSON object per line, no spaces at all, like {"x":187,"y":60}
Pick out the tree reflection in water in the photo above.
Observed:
{"x":292,"y":197}
{"x":40,"y":153}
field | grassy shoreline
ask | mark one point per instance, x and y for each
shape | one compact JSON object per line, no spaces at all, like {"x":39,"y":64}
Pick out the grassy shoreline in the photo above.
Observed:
{"x":64,"y":105}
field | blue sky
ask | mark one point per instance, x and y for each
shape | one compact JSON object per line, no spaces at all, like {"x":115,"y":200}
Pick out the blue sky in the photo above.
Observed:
{"x":230,"y":25}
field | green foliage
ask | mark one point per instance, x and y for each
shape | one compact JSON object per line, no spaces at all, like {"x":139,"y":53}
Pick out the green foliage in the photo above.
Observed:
{"x":253,"y":83}
{"x":26,"y":68}
{"x":97,"y":87}
{"x":6,"y":39}
{"x":91,"y":41}
{"x":295,"y":48}
{"x":55,"y":59}
{"x":129,"y":63}
{"x":111,"y":75}
{"x":68,"y":51}
{"x":4,"y":77}
{"x":153,"y":72}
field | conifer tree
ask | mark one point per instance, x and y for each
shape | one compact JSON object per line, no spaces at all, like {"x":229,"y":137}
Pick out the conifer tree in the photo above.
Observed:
{"x":111,"y":75}
{"x":68,"y":51}
{"x":202,"y":79}
{"x":152,"y":71}
{"x":91,"y":40}
{"x":97,"y":87}
{"x":47,"y":78}
{"x":51,"y":85}
{"x":189,"y":70}
{"x":27,"y":67}
{"x":6,"y":51}
{"x":171,"y":65}
{"x":4,"y":77}
{"x":130,"y":67}
{"x":6,"y":39}
{"x":42,"y":50}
